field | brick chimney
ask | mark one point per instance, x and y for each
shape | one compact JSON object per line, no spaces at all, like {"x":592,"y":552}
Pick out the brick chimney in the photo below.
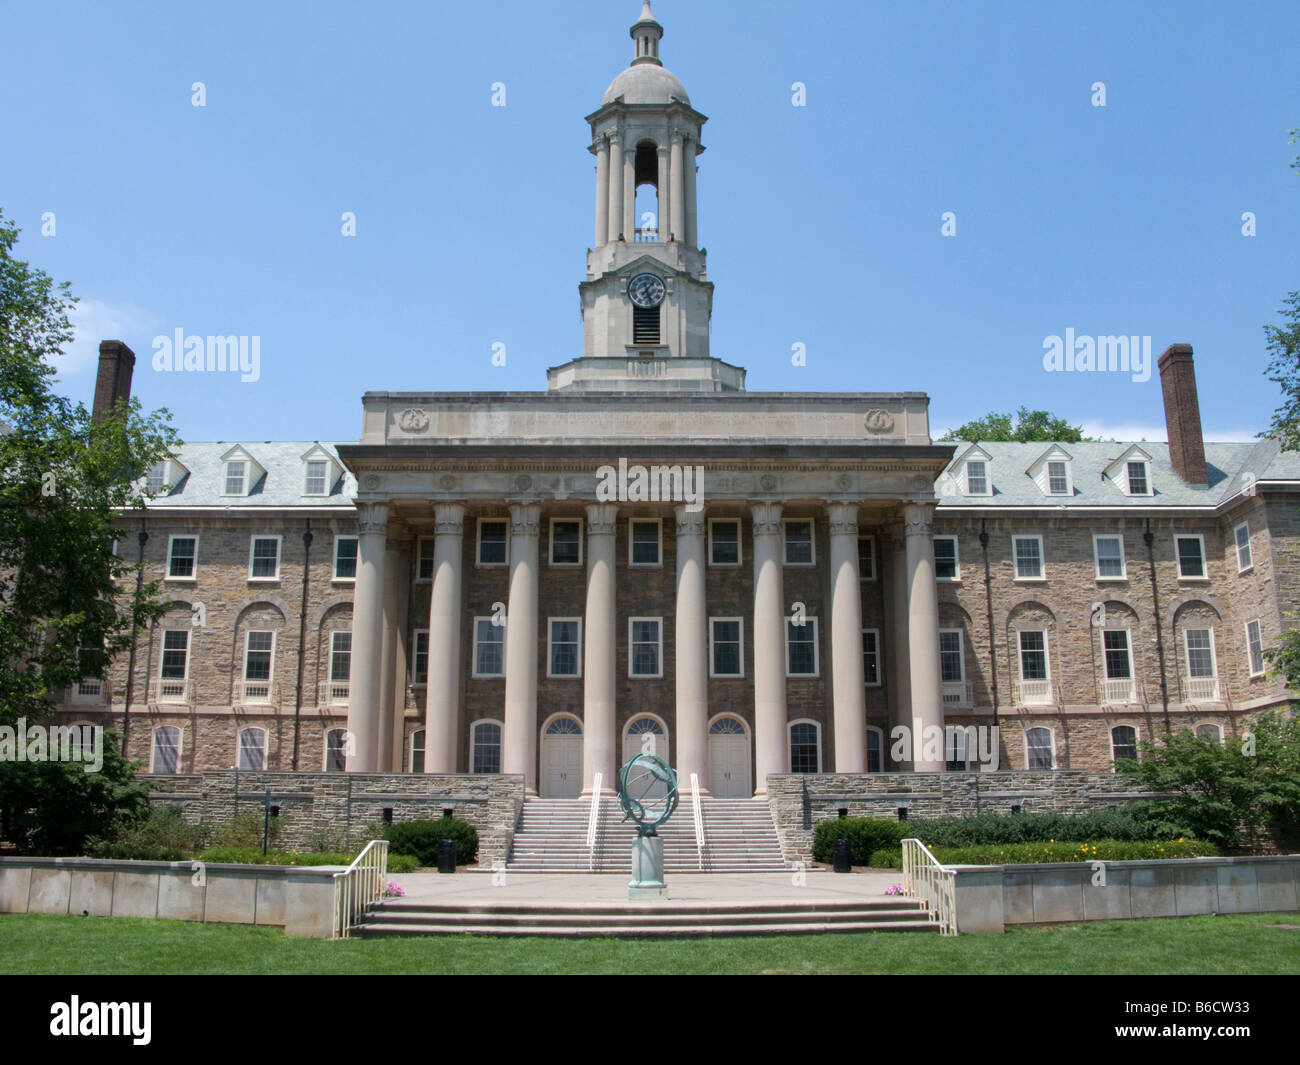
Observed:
{"x":1183,"y":415}
{"x":116,"y":361}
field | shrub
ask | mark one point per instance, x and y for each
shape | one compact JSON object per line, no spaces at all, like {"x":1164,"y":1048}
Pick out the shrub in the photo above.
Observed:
{"x":402,"y":863}
{"x":1131,"y":822}
{"x":254,"y":856}
{"x":336,"y":838}
{"x":245,"y":830}
{"x":865,"y":835}
{"x":1104,"y":850}
{"x":420,"y":839}
{"x":163,"y":836}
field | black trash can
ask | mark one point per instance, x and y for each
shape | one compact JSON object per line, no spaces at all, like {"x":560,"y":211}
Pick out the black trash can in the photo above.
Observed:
{"x":446,"y":855}
{"x":842,"y":863}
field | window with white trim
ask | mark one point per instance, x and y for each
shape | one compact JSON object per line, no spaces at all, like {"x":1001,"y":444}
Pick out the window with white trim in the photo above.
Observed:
{"x":1033,"y":654}
{"x":566,"y":542}
{"x":875,"y":749}
{"x":1255,"y":645}
{"x":724,"y":542}
{"x":798,"y":543}
{"x":946,"y":565}
{"x":419,"y":658}
{"x":645,"y":546}
{"x":645,"y":647}
{"x":424,"y":560}
{"x":1200,"y":653}
{"x":236,"y":476}
{"x":801,"y":647}
{"x":952,"y":660}
{"x":1040,"y":752}
{"x":564,"y":647}
{"x":493,"y":541}
{"x":956,"y":748}
{"x":1116,"y":655}
{"x":252,"y":748}
{"x":156,"y":479}
{"x":317,"y":478}
{"x":871,"y":657}
{"x":1241,"y":537}
{"x":866,"y":558}
{"x":977,"y":477}
{"x":417,"y":751}
{"x":726,"y":647}
{"x":1108,"y":554}
{"x":1209,"y":732}
{"x":166,"y":753}
{"x":336,"y":750}
{"x":259,"y":655}
{"x":345,"y":558}
{"x":1058,"y":477}
{"x":340,"y":666}
{"x":182,"y":558}
{"x":805,"y":747}
{"x":264,"y":559}
{"x":489,"y":648}
{"x":1028,"y":552}
{"x":1191,"y":557}
{"x":1123,"y":743}
{"x":173,"y":670}
{"x":1139,"y":484}
{"x":485,"y":743}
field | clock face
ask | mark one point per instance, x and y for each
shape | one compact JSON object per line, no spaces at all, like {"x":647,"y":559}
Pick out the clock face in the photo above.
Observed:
{"x":646,"y":290}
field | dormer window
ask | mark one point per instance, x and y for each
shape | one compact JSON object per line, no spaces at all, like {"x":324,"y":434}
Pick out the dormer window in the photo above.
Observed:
{"x":236,"y":477}
{"x":977,"y":478}
{"x":156,"y":478}
{"x":1058,"y":478}
{"x":317,"y":477}
{"x":1138,"y":484}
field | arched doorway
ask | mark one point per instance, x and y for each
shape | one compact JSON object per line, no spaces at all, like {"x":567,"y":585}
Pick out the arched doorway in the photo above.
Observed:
{"x":562,"y":759}
{"x":729,"y":776}
{"x":646,"y":735}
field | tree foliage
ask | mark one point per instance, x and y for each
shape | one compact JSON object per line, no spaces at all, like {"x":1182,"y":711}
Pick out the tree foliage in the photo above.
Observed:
{"x":1024,"y":426}
{"x":1284,"y":368}
{"x":62,"y":481}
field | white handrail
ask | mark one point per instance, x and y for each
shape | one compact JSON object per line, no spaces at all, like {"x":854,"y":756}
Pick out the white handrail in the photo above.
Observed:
{"x":593,"y":822}
{"x":359,"y":886}
{"x":699,"y":818}
{"x":925,"y":879}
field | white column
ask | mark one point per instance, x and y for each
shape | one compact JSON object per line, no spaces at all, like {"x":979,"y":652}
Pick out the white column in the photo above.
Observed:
{"x":442,"y":706}
{"x":602,"y":190}
{"x":367,"y":638}
{"x":599,"y":646}
{"x":692,"y":652}
{"x":899,"y":678}
{"x":692,"y":236}
{"x":400,"y":668}
{"x":848,"y":694}
{"x":922,"y":630}
{"x":389,"y":682}
{"x":679,"y":196}
{"x":770,"y":743}
{"x":629,"y":193}
{"x":665,"y":208}
{"x":520,"y":749}
{"x":615,"y":182}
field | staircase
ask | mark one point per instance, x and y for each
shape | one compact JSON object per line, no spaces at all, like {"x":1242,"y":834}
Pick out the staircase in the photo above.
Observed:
{"x":739,"y":837}
{"x":401,"y":917}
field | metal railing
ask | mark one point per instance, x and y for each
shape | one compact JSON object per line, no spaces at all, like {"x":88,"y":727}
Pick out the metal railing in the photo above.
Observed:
{"x":593,"y":822}
{"x":646,"y":235}
{"x":339,"y":693}
{"x":359,"y":886}
{"x":698,"y":814}
{"x":253,"y":692}
{"x":172,"y":691}
{"x":956,"y":693}
{"x":925,"y":879}
{"x":1203,"y":689}
{"x":1118,"y":692}
{"x":1035,"y":693}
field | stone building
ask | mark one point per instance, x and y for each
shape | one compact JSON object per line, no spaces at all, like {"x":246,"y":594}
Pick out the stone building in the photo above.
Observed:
{"x":646,"y":554}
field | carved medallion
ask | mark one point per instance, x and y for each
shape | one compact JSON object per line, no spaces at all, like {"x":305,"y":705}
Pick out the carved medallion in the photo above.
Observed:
{"x":447,"y":482}
{"x":879,"y":421}
{"x":413,"y":420}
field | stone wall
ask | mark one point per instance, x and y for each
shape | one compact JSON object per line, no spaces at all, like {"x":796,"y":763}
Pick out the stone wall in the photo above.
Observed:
{"x":310,"y":802}
{"x":799,"y":801}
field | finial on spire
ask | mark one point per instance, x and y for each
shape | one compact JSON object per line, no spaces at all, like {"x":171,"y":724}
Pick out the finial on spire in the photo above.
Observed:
{"x":646,"y":33}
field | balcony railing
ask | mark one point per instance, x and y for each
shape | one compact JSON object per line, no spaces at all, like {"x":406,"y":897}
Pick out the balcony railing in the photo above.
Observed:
{"x":647,"y":235}
{"x":88,"y":691}
{"x":253,"y":692}
{"x":1203,"y":689}
{"x":338,"y":693}
{"x":956,"y":694}
{"x":1119,"y":692}
{"x":1034,"y":693}
{"x":172,"y":691}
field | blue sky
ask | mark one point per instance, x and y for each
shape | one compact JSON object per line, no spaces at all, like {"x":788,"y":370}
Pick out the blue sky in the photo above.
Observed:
{"x":822,"y":222}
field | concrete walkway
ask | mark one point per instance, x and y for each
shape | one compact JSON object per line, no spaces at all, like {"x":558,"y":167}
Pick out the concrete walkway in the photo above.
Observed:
{"x":468,"y":888}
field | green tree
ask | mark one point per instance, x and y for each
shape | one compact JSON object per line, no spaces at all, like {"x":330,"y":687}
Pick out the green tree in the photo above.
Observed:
{"x":62,"y":481}
{"x":1024,"y":426}
{"x":1284,"y":368}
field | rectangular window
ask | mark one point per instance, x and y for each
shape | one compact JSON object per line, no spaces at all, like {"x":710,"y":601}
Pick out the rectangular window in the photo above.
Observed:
{"x":235,"y":478}
{"x":156,"y":479}
{"x":419,"y":658}
{"x":643,"y":541}
{"x":866,"y":558}
{"x":644,"y":646}
{"x":798,"y":543}
{"x":871,"y":657}
{"x":1137,"y":479}
{"x":166,"y":749}
{"x":945,"y":559}
{"x":1255,"y":644}
{"x":566,"y":542}
{"x":182,"y":556}
{"x":345,"y":558}
{"x":726,"y":647}
{"x":492,"y":542}
{"x":174,"y":669}
{"x":1038,"y":748}
{"x":1123,"y":743}
{"x":317,"y":471}
{"x":1108,"y":552}
{"x":252,"y":748}
{"x":340,"y":665}
{"x":1200,"y":654}
{"x":1241,"y":534}
{"x":875,"y":751}
{"x":264,"y":559}
{"x":259,"y":650}
{"x":724,"y":542}
{"x":1058,"y":482}
{"x":801,"y":648}
{"x":1028,"y":552}
{"x":424,"y":562}
{"x":977,"y":478}
{"x":951,"y":660}
{"x":1033,"y":654}
{"x":1191,"y":557}
{"x":565,"y":648}
{"x":1118,"y":664}
{"x":489,"y":648}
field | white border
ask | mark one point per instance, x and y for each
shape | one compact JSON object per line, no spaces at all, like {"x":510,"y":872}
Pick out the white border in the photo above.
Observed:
{"x":727,"y":676}
{"x":549,"y":644}
{"x":659,"y":652}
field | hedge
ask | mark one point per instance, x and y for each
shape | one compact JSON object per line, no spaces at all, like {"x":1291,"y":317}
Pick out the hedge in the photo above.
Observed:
{"x":1105,"y":850}
{"x":865,"y":835}
{"x":421,"y":838}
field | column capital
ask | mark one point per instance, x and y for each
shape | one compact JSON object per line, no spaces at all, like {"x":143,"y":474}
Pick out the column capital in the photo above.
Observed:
{"x":767,"y":519}
{"x":524,"y":519}
{"x":689,"y":522}
{"x":601,"y":519}
{"x":372,"y":518}
{"x":918,"y":519}
{"x":661,"y":149}
{"x":843,"y":519}
{"x":449,"y":519}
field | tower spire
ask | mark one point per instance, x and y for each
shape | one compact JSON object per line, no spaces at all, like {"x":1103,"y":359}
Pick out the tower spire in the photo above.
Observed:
{"x":646,"y":34}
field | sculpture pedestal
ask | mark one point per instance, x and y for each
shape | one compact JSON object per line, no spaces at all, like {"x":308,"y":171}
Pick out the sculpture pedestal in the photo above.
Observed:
{"x":647,"y":869}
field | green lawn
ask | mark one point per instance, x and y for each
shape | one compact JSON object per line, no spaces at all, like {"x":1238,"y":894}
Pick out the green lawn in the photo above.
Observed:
{"x":1239,"y":944}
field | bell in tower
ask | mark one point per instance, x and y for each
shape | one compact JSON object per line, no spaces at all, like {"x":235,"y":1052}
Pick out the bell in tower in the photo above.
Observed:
{"x":647,"y":300}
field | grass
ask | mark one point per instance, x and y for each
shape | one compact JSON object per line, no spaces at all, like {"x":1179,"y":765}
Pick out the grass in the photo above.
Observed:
{"x":1232,"y":945}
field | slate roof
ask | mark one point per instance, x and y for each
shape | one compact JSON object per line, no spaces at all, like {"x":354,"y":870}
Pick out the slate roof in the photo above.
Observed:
{"x":283,"y":485}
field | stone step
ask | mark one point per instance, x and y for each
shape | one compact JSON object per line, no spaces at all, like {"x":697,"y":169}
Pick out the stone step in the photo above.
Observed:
{"x":678,"y":931}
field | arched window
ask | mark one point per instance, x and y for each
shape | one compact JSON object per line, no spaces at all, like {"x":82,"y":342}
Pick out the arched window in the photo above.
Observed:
{"x":727,"y":726}
{"x":1210,"y":733}
{"x":336,"y":750}
{"x":252,"y":748}
{"x":635,"y":739}
{"x":564,"y":726}
{"x":1039,"y":753}
{"x":1123,"y":742}
{"x":487,"y":747}
{"x":166,"y":750}
{"x":805,"y":747}
{"x":417,"y":751}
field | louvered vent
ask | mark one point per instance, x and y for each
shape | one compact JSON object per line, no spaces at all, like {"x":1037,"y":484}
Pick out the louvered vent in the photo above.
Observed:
{"x":645,"y":325}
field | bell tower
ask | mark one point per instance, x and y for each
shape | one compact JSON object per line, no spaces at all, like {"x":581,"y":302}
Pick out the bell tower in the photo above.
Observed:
{"x":646,"y":301}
